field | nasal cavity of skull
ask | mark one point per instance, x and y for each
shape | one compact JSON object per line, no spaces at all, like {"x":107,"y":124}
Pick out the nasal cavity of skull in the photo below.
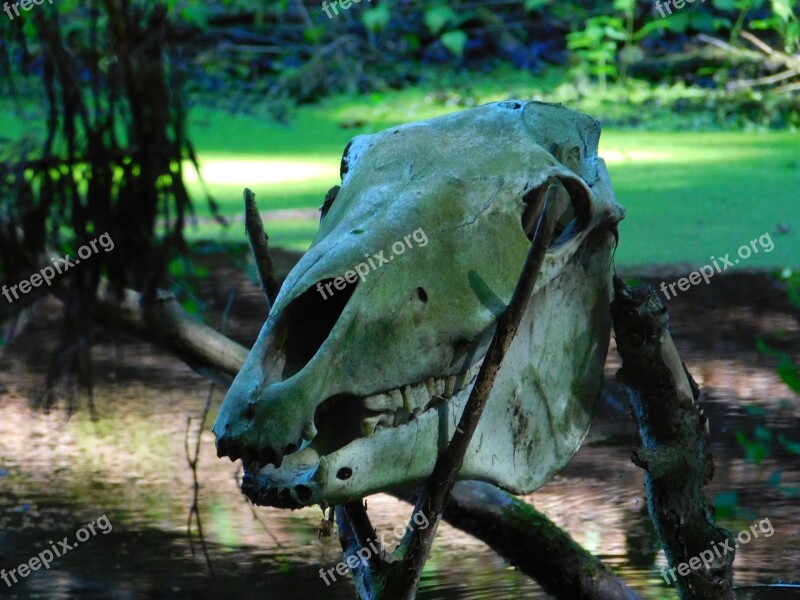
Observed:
{"x":560,"y":206}
{"x":308,"y":321}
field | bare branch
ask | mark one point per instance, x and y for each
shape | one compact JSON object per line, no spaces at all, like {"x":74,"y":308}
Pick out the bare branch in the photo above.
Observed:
{"x":441,"y":482}
{"x":259,"y":244}
{"x":675,"y":444}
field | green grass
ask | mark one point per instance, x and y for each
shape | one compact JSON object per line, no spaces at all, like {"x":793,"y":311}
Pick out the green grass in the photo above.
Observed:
{"x":688,"y":194}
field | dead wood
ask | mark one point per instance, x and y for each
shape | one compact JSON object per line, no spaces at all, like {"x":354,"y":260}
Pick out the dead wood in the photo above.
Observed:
{"x":674,"y":448}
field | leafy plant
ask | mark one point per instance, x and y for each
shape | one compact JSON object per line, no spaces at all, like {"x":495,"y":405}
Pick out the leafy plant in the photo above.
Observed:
{"x":608,"y":44}
{"x":782,"y":19}
{"x":376,"y":19}
{"x":441,"y":20}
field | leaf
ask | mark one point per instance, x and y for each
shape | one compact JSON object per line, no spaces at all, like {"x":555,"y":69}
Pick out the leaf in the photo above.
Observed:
{"x":790,"y":446}
{"x":754,"y":452}
{"x":625,"y":6}
{"x":439,"y":17}
{"x":762,"y":434}
{"x":195,"y":14}
{"x":531,"y":5}
{"x":455,"y":41}
{"x":725,"y":504}
{"x":376,"y":19}
{"x":726,"y":500}
{"x":701,"y":21}
{"x":754,"y":411}
{"x":783,"y":9}
{"x":191,"y":306}
{"x":789,"y":373}
{"x":313,"y":34}
{"x":649,"y":27}
{"x":793,"y":278}
{"x":678,"y":22}
{"x":787,"y":370}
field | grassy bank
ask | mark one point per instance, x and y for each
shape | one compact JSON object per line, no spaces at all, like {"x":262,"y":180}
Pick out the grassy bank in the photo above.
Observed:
{"x":690,"y":191}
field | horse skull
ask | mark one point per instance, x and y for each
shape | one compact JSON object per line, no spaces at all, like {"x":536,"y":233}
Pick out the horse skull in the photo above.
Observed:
{"x":356,"y":385}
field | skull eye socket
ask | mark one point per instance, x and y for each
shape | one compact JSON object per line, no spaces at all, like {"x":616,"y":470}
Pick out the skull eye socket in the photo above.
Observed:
{"x":308,"y":321}
{"x":566,"y":203}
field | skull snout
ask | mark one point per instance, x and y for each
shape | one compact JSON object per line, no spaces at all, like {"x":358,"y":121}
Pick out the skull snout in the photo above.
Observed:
{"x":242,"y":436}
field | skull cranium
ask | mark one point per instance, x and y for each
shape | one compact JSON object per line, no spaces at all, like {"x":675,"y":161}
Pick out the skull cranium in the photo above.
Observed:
{"x":349,"y":393}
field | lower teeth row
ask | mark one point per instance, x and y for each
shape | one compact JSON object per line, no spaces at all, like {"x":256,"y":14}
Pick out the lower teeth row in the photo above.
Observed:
{"x":400,"y":406}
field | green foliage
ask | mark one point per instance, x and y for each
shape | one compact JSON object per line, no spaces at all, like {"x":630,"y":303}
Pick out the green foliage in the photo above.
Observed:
{"x":786,"y":368}
{"x":782,"y":18}
{"x":764,"y":440}
{"x":532,"y":5}
{"x":596,"y":46}
{"x":755,"y":450}
{"x":376,"y":19}
{"x":726,"y":504}
{"x":455,"y":41}
{"x":442,"y":21}
{"x":609,"y":43}
{"x":438,"y":17}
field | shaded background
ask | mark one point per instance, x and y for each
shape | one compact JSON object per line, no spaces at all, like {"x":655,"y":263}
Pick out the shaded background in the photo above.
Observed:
{"x":700,"y":136}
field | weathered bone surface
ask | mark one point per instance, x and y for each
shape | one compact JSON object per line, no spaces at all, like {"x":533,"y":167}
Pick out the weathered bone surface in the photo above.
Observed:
{"x":357,"y":392}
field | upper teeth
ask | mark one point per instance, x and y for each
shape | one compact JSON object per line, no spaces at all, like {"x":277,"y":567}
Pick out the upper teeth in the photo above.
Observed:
{"x":398,"y":406}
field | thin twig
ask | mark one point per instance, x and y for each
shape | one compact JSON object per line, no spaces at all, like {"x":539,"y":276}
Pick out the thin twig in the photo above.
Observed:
{"x":194,"y":511}
{"x":763,"y":46}
{"x":718,"y":43}
{"x":768,"y":80}
{"x":788,"y":88}
{"x":193,"y":460}
{"x":259,"y":244}
{"x":440,"y":485}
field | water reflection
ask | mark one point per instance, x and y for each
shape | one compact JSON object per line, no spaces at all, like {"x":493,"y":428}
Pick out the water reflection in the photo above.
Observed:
{"x":56,"y":475}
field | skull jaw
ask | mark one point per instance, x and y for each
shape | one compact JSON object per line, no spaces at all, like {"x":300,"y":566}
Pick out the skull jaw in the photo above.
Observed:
{"x":306,"y":478}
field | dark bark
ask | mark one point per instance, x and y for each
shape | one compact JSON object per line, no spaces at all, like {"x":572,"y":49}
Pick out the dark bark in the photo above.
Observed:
{"x":675,"y":445}
{"x":532,"y":543}
{"x":259,"y":245}
{"x":166,"y":324}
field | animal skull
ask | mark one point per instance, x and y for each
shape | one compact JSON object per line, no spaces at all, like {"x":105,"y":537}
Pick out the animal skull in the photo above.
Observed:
{"x":349,"y":394}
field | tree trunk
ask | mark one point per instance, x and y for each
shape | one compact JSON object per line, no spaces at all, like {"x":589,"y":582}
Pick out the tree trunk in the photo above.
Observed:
{"x":674,"y":452}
